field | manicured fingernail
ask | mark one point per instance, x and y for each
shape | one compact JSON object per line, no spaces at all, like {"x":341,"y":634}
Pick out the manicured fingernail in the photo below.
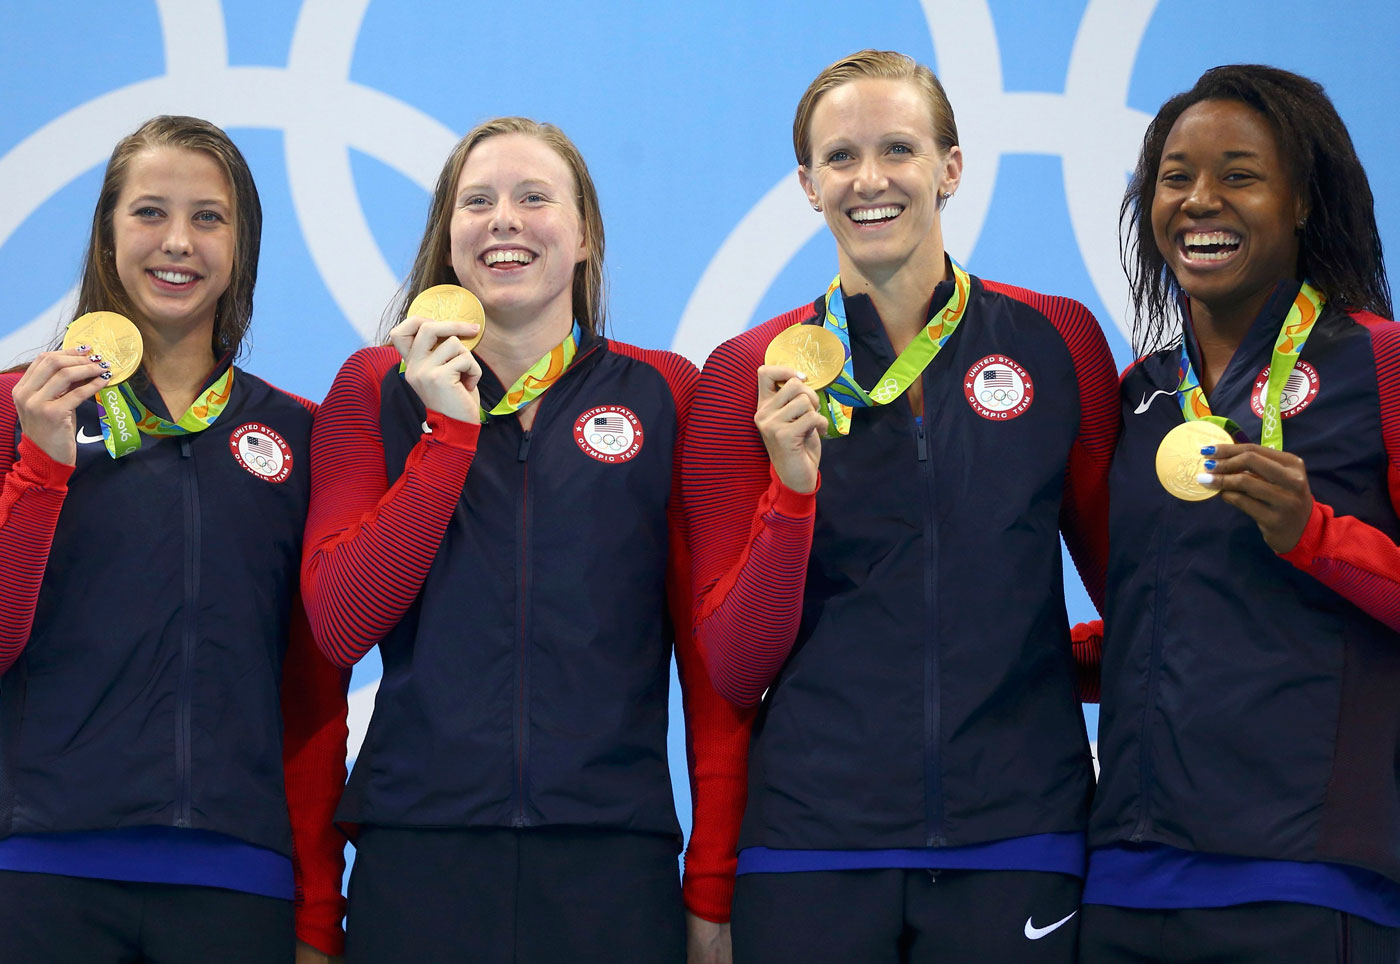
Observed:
{"x":106,"y":374}
{"x":94,"y":358}
{"x":1207,"y":449}
{"x":84,"y":348}
{"x":802,"y":375}
{"x":1209,"y":463}
{"x":105,"y":365}
{"x":1205,"y":478}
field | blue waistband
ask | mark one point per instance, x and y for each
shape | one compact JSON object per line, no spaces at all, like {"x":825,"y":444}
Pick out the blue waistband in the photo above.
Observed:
{"x":153,"y":855}
{"x":1157,"y":877}
{"x":1061,"y":853}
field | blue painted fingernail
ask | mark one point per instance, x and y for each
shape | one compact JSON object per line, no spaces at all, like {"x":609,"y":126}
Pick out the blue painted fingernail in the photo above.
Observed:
{"x":1209,"y":463}
{"x":106,"y":374}
{"x":104,"y":364}
{"x":1207,"y":449}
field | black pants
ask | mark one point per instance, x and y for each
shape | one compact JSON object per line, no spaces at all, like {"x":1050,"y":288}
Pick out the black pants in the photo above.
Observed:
{"x":57,"y":920}
{"x":1262,"y":933}
{"x":914,"y":916}
{"x":528,"y":896}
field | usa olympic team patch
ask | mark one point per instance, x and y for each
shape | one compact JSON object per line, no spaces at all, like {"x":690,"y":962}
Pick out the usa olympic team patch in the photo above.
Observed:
{"x":261,"y":451}
{"x":998,"y":388}
{"x":1298,"y":392}
{"x":609,"y":433}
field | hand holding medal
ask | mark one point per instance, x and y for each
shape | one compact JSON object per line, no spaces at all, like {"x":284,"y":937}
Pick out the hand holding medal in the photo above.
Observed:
{"x":444,"y":323}
{"x":799,"y":361}
{"x":1199,"y":458}
{"x":100,"y":350}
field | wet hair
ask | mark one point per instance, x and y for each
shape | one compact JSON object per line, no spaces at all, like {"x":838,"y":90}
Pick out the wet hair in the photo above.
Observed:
{"x":883,"y":65}
{"x":1339,"y":250}
{"x":100,"y":288}
{"x":432,"y":265}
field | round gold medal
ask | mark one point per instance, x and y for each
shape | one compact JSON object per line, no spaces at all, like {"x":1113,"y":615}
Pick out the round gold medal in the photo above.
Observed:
{"x":451,"y":303}
{"x":1179,"y":458}
{"x":110,"y":335}
{"x":811,"y":350}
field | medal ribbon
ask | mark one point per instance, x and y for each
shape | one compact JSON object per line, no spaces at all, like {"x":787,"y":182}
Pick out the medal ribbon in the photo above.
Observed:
{"x":1298,"y":324}
{"x":844,"y":395}
{"x":537,"y":379}
{"x":125,"y":419}
{"x":540,"y":376}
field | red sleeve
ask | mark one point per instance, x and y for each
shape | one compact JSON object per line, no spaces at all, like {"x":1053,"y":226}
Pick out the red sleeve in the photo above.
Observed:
{"x":716,"y":732}
{"x":750,"y":534}
{"x":368,"y":544}
{"x":314,"y":735}
{"x":30,"y":501}
{"x":1086,"y":640}
{"x":1084,"y":510}
{"x":1357,"y":560}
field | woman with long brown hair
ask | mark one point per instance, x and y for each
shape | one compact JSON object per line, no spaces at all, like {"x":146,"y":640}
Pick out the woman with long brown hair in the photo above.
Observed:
{"x":162,"y":706}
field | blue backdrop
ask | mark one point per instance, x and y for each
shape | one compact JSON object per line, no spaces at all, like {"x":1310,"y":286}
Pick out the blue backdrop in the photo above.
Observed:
{"x":347,"y":108}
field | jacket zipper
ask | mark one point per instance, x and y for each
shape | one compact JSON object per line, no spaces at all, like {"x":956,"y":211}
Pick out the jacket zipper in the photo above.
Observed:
{"x":1150,"y":697}
{"x":933,"y":724}
{"x":522,"y":673}
{"x":183,"y":707}
{"x":522,"y":676}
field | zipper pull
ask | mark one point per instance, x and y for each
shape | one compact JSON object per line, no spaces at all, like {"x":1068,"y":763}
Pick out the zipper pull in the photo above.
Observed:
{"x":923,"y":442}
{"x":524,"y":445}
{"x":184,"y":448}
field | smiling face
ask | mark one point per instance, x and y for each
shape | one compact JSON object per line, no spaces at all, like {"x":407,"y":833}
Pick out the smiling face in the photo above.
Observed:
{"x":173,"y":237}
{"x":515,"y":233}
{"x":876,"y":173}
{"x":1225,"y":210}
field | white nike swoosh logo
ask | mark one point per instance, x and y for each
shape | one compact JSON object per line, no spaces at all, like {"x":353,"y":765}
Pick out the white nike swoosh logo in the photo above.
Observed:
{"x":1034,"y":933}
{"x":427,"y":429}
{"x":84,"y":438}
{"x":1147,"y":400}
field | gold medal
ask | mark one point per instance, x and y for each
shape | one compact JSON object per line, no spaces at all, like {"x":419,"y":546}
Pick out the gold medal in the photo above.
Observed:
{"x":1179,"y":458}
{"x":110,"y":335}
{"x":451,"y":303}
{"x":809,"y":349}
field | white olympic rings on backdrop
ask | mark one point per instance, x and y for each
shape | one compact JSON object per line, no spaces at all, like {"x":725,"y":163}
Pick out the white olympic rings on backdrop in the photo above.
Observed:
{"x":322,"y":113}
{"x":1089,"y":126}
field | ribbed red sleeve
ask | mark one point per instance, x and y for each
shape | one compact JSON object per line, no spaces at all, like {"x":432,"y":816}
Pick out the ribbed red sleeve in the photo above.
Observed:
{"x":30,"y":501}
{"x":717,"y":733}
{"x":313,"y":765}
{"x":368,"y":544}
{"x":1084,"y":510}
{"x":750,"y":534}
{"x":1358,"y":560}
{"x":1086,"y":639}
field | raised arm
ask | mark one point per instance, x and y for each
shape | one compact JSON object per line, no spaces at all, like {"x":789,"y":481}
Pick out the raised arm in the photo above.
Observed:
{"x":369,"y":544}
{"x":750,"y":533}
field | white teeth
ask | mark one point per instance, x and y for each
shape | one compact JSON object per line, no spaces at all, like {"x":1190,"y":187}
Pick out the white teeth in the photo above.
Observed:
{"x":1208,"y":255}
{"x":508,"y":254}
{"x":876,"y":214}
{"x":174,"y":277}
{"x":1198,"y":238}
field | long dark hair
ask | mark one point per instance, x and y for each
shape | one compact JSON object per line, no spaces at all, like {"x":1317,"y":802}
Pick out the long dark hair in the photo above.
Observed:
{"x":101,"y":290}
{"x":1339,"y":251}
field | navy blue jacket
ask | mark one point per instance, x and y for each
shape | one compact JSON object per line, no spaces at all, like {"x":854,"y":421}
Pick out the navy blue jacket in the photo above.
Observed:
{"x":526,"y":681}
{"x":1250,"y":707}
{"x":148,"y":691}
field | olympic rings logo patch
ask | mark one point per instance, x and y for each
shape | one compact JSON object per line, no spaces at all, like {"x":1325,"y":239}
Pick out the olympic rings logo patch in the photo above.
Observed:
{"x":1298,"y":392}
{"x":998,"y":388}
{"x":609,"y":433}
{"x":261,"y":451}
